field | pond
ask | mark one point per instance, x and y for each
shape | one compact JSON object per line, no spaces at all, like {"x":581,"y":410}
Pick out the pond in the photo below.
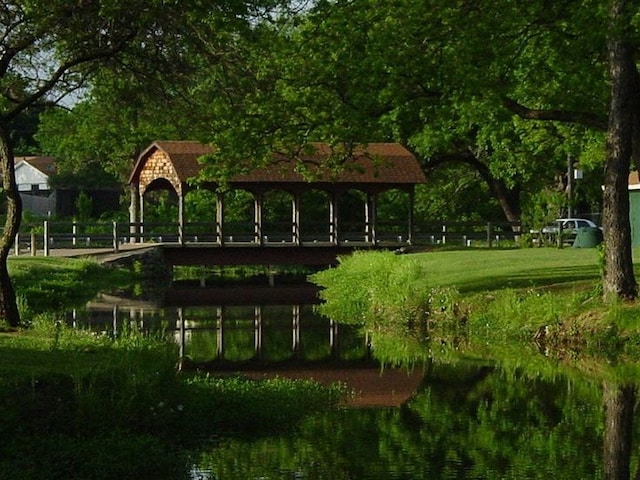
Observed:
{"x":444,"y":415}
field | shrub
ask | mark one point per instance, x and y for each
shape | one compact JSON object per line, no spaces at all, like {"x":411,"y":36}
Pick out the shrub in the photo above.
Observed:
{"x":382,"y":290}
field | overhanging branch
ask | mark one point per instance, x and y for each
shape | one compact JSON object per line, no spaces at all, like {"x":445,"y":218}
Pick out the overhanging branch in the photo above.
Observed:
{"x":581,"y":118}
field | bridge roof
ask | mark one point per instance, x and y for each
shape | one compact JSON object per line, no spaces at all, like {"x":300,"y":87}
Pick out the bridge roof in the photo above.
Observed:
{"x":376,"y":163}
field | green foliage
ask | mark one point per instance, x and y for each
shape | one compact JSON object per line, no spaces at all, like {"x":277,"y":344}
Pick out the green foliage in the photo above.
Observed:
{"x":542,"y":208}
{"x":373,"y":288}
{"x":510,"y":315}
{"x":84,"y":206}
{"x":417,"y":74}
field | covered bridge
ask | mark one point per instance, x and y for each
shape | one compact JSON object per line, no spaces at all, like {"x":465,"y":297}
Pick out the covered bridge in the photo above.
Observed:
{"x":321,"y":203}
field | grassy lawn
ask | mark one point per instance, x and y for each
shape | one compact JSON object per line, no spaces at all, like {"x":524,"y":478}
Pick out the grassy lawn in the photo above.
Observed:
{"x":476,"y":270}
{"x":47,"y":284}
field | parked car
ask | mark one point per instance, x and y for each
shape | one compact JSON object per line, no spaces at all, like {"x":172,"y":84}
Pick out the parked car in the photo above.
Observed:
{"x":569,"y":226}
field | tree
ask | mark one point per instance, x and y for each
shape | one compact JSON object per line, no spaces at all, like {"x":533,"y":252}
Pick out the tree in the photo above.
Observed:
{"x":623,"y":141}
{"x":51,"y":50}
{"x":511,"y":89}
{"x":429,"y":75}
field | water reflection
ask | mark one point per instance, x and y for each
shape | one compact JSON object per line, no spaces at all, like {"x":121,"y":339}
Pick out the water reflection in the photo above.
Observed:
{"x":217,"y":333}
{"x":455,"y":416}
{"x":466,"y":421}
{"x":233,"y":333}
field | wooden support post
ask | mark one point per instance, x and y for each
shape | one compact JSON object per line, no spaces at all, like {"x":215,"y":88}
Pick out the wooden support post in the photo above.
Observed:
{"x":411,"y":221}
{"x":257,"y":335}
{"x":295,"y":220}
{"x":181,"y":218}
{"x":134,"y":214}
{"x":257,"y":210}
{"x":295,"y":327}
{"x":220,"y":218}
{"x":370,"y":218}
{"x":182,"y":335}
{"x":333,"y":219}
{"x":220,"y":333}
{"x":141,"y":225}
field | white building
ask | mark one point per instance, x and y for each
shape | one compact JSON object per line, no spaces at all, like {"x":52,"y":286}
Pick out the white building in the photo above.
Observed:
{"x":32,"y":177}
{"x":32,"y":174}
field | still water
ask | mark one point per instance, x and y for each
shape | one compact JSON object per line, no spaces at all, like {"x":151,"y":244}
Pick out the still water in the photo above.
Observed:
{"x":443,"y":416}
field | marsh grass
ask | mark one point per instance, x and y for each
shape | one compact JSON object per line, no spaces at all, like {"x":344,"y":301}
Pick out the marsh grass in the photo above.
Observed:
{"x":379,"y":289}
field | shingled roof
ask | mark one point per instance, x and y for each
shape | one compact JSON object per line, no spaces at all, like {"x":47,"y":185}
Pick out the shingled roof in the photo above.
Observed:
{"x":46,"y":165}
{"x":377,"y":163}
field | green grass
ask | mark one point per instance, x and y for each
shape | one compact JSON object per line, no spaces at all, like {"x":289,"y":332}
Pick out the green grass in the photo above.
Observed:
{"x":492,"y":269}
{"x":48,"y":284}
{"x":478,"y":297}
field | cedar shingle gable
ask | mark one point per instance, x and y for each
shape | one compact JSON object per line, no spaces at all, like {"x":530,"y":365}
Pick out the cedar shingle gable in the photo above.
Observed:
{"x":378,"y":163}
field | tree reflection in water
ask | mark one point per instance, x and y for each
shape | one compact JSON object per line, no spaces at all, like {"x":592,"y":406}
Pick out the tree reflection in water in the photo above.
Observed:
{"x":619,"y":403}
{"x":468,"y":420}
{"x":462,"y":418}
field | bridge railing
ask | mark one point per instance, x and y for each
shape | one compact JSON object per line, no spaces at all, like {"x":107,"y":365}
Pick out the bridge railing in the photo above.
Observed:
{"x":59,"y":234}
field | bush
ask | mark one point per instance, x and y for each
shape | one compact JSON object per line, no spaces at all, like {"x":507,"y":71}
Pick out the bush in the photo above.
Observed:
{"x":382,"y":290}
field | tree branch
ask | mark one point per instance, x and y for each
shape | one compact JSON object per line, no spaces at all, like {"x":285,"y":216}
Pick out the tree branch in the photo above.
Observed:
{"x":65,"y":67}
{"x":581,"y":118}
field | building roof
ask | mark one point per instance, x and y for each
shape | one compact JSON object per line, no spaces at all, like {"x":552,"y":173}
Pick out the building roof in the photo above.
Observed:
{"x":46,"y":165}
{"x":388,"y":163}
{"x":634,"y":181}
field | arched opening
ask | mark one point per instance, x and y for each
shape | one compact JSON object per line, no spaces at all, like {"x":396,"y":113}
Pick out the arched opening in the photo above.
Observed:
{"x":277,"y":216}
{"x":315,"y":216}
{"x":394,"y":211}
{"x":239,"y":216}
{"x":352,"y":213}
{"x":160,"y":205}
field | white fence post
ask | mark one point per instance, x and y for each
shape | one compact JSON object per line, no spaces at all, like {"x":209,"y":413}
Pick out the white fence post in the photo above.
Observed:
{"x":46,"y":238}
{"x":115,"y":237}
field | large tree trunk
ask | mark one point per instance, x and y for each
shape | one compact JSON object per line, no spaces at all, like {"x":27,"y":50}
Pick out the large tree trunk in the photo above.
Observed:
{"x":619,"y":402}
{"x":509,"y":199}
{"x":8,"y":305}
{"x":619,"y":280}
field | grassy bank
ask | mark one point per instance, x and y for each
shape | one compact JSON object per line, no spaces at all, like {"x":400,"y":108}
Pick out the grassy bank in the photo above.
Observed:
{"x":49,"y":284}
{"x":479,"y":297}
{"x":76,"y":404}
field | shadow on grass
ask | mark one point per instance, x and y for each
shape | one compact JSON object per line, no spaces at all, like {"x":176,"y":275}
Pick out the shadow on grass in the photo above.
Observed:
{"x":533,"y":278}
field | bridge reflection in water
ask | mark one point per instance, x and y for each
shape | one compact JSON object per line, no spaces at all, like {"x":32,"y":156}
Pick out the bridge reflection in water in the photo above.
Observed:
{"x":263,"y":340}
{"x":264,"y":333}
